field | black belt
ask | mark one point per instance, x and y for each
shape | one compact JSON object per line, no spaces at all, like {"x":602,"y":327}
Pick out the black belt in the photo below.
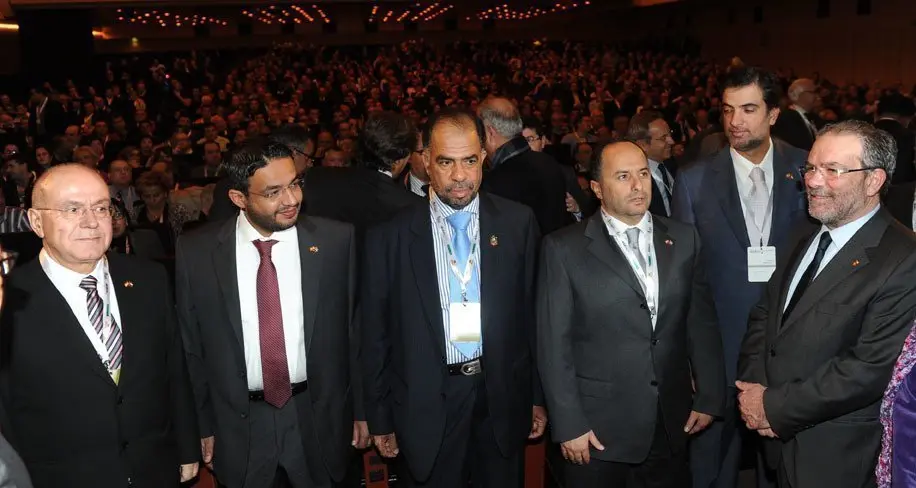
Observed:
{"x":467,"y":368}
{"x":297,"y":388}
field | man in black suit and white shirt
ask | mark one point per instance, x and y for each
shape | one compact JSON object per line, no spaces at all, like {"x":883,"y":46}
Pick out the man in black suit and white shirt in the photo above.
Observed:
{"x":265,"y":306}
{"x":92,"y":373}
{"x":447,"y":316}
{"x":822,"y":342}
{"x":649,"y":130}
{"x":626,"y":324}
{"x":796,"y":125}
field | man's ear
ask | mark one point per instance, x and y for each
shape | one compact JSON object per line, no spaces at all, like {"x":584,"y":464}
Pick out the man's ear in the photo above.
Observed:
{"x":36,"y":223}
{"x":238,"y":199}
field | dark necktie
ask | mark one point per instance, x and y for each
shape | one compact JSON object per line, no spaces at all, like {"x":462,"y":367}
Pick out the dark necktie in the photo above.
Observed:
{"x":666,"y":177}
{"x":275,"y":370}
{"x":809,"y":275}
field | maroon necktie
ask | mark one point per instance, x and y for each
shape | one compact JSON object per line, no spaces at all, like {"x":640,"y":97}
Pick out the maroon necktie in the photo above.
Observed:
{"x":277,"y":389}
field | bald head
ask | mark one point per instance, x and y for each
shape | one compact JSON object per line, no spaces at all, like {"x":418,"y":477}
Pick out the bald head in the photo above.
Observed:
{"x":622,"y":181}
{"x":614,"y":150}
{"x":803,"y":92}
{"x":73,"y":174}
{"x":501,"y":119}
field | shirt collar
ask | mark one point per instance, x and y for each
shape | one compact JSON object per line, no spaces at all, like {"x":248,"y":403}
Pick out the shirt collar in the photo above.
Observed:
{"x":510,"y":149}
{"x":386,"y":173}
{"x":247,"y":233}
{"x":416,"y":184}
{"x":618,"y":227}
{"x":61,"y":274}
{"x":842,"y":234}
{"x":446,"y":211}
{"x":744,"y":166}
{"x":653,"y":165}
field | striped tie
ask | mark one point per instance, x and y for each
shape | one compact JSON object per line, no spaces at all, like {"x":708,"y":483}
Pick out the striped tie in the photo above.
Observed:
{"x":94,"y":303}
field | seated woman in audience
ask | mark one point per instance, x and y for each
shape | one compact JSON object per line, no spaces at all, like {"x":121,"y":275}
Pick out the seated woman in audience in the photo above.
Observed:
{"x":156,"y":213}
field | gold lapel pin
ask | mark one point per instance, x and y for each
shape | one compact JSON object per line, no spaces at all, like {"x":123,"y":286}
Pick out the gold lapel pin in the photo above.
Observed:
{"x":494,"y":241}
{"x":669,"y":242}
{"x":128,"y":284}
{"x":790,"y":176}
{"x":313,"y":249}
{"x":855,"y":263}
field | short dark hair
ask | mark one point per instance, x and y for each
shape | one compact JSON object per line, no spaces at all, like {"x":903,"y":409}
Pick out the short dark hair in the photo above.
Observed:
{"x":638,"y":130}
{"x":896,"y":104}
{"x":533,"y":124}
{"x":763,"y":79}
{"x":293,"y":136}
{"x":456,"y":117}
{"x":386,"y":138}
{"x":252,"y":157}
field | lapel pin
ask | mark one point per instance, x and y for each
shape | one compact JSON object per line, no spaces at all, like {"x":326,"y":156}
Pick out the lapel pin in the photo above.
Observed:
{"x":855,"y":263}
{"x":313,"y":249}
{"x":128,"y":284}
{"x":669,"y":242}
{"x":790,"y":176}
{"x":494,"y":241}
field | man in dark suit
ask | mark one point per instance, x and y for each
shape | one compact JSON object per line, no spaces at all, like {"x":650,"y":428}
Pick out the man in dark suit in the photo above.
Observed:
{"x":46,"y":118}
{"x":76,"y":413}
{"x":649,"y":130}
{"x":447,"y":310}
{"x":899,"y":202}
{"x":796,"y":125}
{"x":265,"y":306}
{"x":743,"y":200}
{"x":626,"y":324}
{"x":894,"y":114}
{"x":518,"y":173}
{"x":822,"y":343}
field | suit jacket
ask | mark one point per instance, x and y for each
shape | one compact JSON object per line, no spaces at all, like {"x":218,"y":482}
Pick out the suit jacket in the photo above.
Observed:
{"x":899,"y":202}
{"x":905,"y":170}
{"x":53,"y":117}
{"x":533,"y":179}
{"x":790,"y":126}
{"x":72,"y":425}
{"x":657,"y":203}
{"x":403,"y":339}
{"x":603,"y":366}
{"x":826,"y":366}
{"x":211,"y":324}
{"x":706,"y":195}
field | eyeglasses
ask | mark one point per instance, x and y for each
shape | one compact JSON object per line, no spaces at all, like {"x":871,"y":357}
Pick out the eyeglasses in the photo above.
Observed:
{"x":300,"y":152}
{"x":531,"y":139}
{"x":294,"y":187}
{"x":101,"y":212}
{"x":830,"y":174}
{"x":7,"y":262}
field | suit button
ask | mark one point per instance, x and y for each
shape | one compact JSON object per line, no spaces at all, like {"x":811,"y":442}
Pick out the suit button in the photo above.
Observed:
{"x":653,"y":383}
{"x":643,"y":306}
{"x":772,"y":353}
{"x":654,"y":342}
{"x":120,"y":399}
{"x":241,"y":374}
{"x":244,"y":415}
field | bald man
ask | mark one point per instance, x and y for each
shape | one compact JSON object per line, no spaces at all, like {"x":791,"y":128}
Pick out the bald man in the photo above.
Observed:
{"x":798,"y":125}
{"x":93,"y":382}
{"x":625,"y":325}
{"x":516,"y":172}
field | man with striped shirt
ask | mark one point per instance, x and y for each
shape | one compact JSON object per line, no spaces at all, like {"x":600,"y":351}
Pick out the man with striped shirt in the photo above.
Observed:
{"x":13,"y":219}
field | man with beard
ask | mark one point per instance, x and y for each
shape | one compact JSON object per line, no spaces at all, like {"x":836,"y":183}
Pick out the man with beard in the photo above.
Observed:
{"x":270,"y":368}
{"x":822,"y":343}
{"x":447,"y":314}
{"x":744,"y":201}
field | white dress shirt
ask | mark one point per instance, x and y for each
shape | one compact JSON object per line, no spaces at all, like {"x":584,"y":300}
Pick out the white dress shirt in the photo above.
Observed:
{"x":662,"y":182}
{"x":416,"y":185}
{"x":743,"y":167}
{"x":618,"y":230}
{"x":67,"y":283}
{"x":839,"y":237}
{"x":285,"y":256}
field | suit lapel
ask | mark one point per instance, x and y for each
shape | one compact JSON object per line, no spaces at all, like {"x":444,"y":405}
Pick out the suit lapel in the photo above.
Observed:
{"x":130,"y":309}
{"x":726,"y":189}
{"x":423,"y":262}
{"x":664,"y":256}
{"x":794,"y":261}
{"x":785,"y":193}
{"x":490,"y":253}
{"x":310,"y":264}
{"x":224,"y":262}
{"x":605,"y":249}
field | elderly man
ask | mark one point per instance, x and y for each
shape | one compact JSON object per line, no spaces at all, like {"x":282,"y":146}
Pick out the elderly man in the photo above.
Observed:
{"x":797,"y":125}
{"x":95,"y":388}
{"x":821,"y":344}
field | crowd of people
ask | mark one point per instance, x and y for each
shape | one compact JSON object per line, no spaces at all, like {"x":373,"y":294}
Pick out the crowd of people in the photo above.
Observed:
{"x":444,"y":252}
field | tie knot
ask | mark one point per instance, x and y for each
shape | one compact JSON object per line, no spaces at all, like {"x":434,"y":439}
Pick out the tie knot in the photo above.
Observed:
{"x":825,"y":242}
{"x":757,"y":175}
{"x":89,"y":283}
{"x":459,"y":221}
{"x":633,"y":236}
{"x":264,"y":247}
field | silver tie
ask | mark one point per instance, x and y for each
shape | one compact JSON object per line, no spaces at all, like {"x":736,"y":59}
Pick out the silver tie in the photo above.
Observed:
{"x":633,"y":241}
{"x":760,"y":197}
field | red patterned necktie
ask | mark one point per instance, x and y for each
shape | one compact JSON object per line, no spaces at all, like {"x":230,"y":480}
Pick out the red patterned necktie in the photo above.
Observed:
{"x":277,"y":388}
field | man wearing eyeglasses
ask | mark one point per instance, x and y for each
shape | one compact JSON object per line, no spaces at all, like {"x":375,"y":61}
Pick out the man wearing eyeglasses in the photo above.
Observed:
{"x":95,"y":390}
{"x":265,"y":302}
{"x":821,"y":344}
{"x":797,"y":125}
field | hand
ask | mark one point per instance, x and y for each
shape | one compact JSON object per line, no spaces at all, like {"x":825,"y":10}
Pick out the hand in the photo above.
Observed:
{"x":768,"y":433}
{"x":206,"y":451}
{"x":361,"y":438}
{"x":750,"y":402}
{"x":571,"y":205}
{"x":577,"y":450}
{"x":538,"y":422}
{"x":697,"y":422}
{"x":387,"y":445}
{"x":188,"y":471}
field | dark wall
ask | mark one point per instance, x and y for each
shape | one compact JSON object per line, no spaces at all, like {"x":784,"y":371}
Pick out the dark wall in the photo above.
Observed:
{"x":55,"y":45}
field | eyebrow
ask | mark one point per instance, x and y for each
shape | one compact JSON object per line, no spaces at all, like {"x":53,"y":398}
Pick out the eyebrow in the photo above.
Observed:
{"x":752,"y":104}
{"x":450,"y":158}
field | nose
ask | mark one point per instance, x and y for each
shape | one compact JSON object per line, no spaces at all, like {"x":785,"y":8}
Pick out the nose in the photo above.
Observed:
{"x":88,"y":219}
{"x":292,"y":196}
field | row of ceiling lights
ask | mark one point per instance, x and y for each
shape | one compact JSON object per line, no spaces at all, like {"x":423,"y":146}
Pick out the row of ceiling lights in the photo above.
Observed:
{"x":164,"y":18}
{"x":429,"y":13}
{"x":505,"y":13}
{"x":281,"y":15}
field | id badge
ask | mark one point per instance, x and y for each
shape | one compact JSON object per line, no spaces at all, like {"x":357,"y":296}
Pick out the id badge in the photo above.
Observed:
{"x":761,"y":263}
{"x":464,"y":322}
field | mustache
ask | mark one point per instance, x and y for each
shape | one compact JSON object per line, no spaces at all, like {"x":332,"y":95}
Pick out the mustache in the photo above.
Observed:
{"x":460,"y":186}
{"x":818,"y":193}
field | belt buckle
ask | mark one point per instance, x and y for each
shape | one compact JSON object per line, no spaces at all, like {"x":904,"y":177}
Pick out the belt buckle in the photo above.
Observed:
{"x":471,"y":368}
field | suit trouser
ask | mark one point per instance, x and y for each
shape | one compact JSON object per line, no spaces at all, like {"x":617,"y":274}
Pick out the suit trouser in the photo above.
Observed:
{"x":469,"y":451}
{"x":283,"y":450}
{"x":715,"y":453}
{"x":663,"y":468}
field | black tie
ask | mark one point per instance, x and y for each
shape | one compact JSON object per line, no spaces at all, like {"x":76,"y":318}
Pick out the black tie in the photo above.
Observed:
{"x":667,"y":182}
{"x":809,"y":275}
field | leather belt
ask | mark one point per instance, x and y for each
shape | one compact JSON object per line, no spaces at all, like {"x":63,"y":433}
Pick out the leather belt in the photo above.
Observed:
{"x":297,"y":388}
{"x":467,"y":368}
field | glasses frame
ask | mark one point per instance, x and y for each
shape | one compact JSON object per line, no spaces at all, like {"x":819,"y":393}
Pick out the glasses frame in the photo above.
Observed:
{"x":831,"y":174}
{"x":81,"y":212}
{"x":298,"y":183}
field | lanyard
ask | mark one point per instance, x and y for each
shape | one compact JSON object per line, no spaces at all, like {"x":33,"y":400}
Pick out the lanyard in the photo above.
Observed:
{"x":645,"y":276}
{"x":464,"y":277}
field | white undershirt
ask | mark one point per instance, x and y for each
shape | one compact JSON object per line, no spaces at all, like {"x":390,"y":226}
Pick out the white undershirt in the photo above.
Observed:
{"x":285,"y":256}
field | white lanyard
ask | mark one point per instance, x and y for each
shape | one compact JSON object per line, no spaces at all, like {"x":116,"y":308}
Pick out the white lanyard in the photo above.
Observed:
{"x":463,"y":278}
{"x":646,"y":277}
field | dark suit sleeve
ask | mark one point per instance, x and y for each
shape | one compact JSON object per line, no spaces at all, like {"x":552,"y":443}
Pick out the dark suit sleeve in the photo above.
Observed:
{"x":681,"y":204}
{"x":190,"y":332}
{"x":356,"y":375}
{"x":705,"y":342}
{"x":857,"y":378}
{"x":375,"y":344}
{"x":531,"y":256}
{"x":751,"y":359}
{"x":554,"y":341}
{"x":184,"y":415}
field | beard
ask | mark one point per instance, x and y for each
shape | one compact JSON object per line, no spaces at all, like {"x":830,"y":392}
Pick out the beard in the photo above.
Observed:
{"x":269,"y":222}
{"x":749,"y":144}
{"x":454,"y":202}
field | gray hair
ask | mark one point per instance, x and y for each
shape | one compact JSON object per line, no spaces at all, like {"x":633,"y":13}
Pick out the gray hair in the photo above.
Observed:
{"x":507,"y":123}
{"x":879,"y":149}
{"x":798,"y":87}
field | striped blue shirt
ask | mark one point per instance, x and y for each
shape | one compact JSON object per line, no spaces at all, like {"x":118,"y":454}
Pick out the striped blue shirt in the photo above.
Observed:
{"x":440,"y":243}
